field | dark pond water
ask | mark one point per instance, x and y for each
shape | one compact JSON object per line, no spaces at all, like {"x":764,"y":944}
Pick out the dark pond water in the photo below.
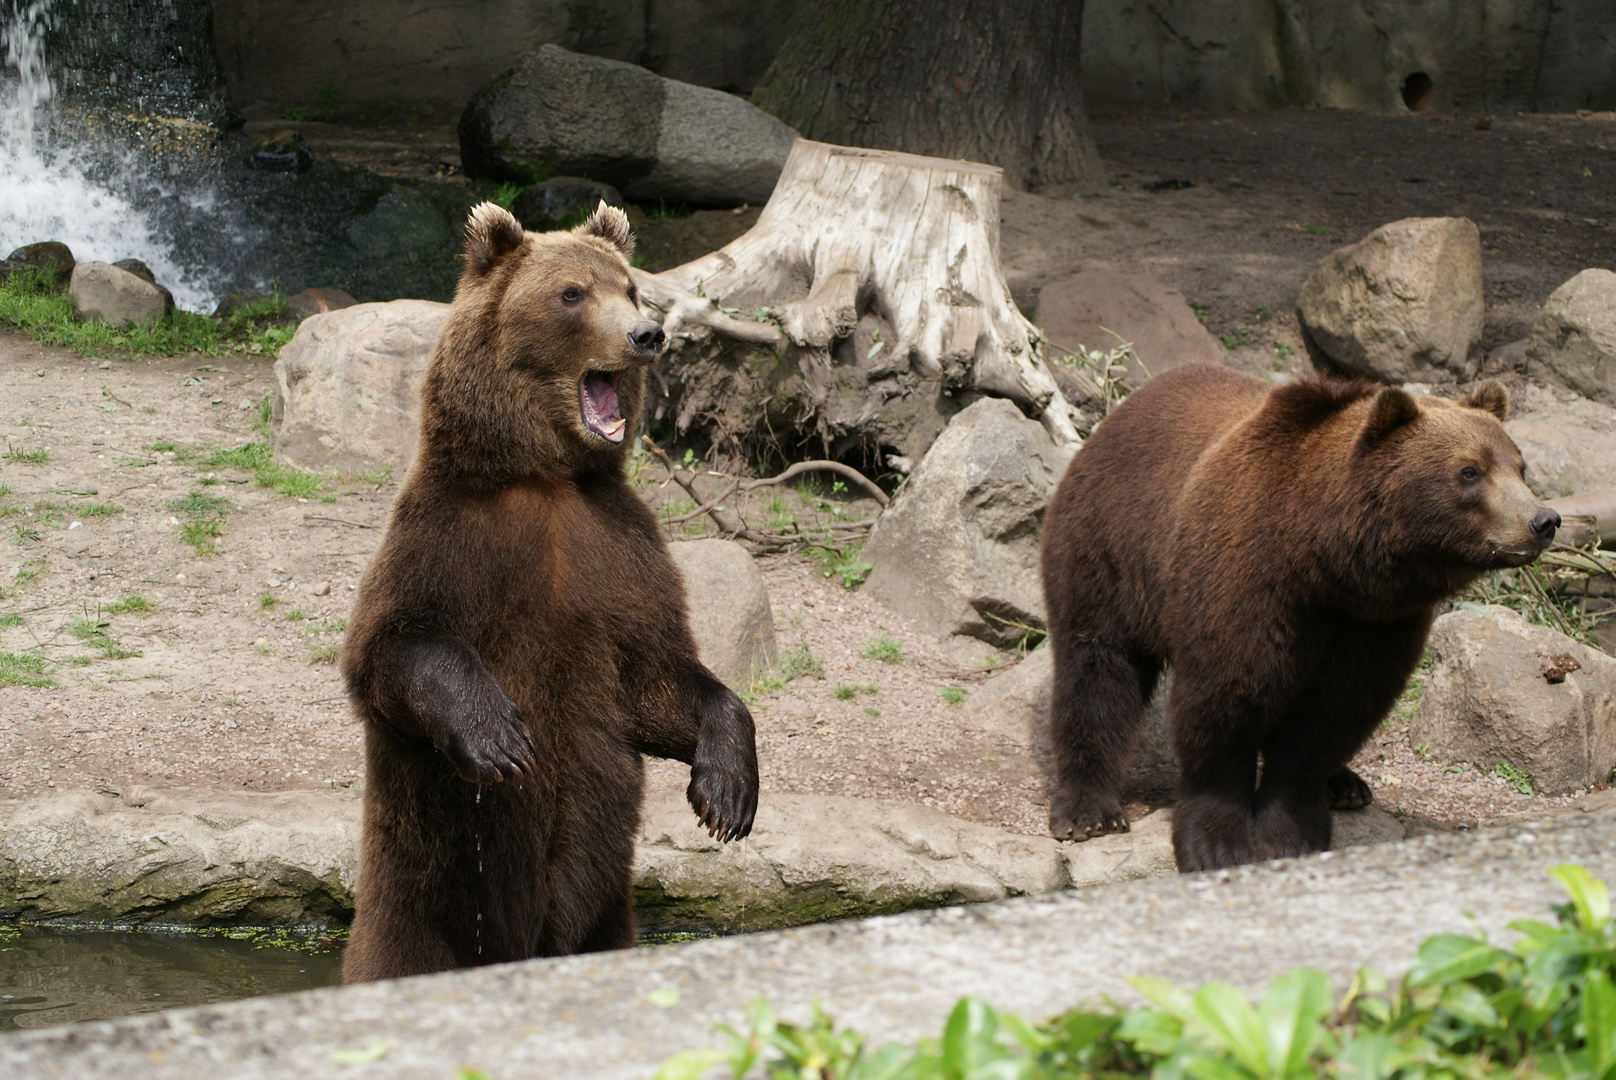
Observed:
{"x":53,"y":977}
{"x":50,"y":977}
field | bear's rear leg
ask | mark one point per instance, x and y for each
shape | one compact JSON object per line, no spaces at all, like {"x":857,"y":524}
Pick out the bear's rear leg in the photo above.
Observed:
{"x":1099,"y":698}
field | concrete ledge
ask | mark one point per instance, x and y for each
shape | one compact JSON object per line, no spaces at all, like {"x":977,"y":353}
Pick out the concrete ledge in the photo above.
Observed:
{"x":200,"y":856}
{"x":894,"y":977}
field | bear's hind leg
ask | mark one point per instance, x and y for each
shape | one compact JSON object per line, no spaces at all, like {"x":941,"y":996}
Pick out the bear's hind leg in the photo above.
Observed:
{"x":1348,"y":791}
{"x":1099,"y":698}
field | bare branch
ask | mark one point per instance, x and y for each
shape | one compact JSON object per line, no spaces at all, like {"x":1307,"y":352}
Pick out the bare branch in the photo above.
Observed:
{"x":825,"y":466}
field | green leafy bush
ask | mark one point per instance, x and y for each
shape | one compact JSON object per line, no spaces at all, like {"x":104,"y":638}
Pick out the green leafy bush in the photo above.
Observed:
{"x":1544,"y":1007}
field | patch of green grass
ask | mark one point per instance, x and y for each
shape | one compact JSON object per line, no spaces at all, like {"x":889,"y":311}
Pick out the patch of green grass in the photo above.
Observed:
{"x":886,"y":648}
{"x":93,"y":633}
{"x":295,"y":615}
{"x":10,"y":619}
{"x":132,"y":605}
{"x":1542,"y":1006}
{"x":847,"y":693}
{"x":759,"y":685}
{"x":23,"y":669}
{"x":96,"y":510}
{"x":952,"y":694}
{"x":30,"y":302}
{"x":22,"y":577}
{"x":18,"y":456}
{"x":506,"y":194}
{"x":840,"y":562}
{"x":328,"y":499}
{"x":1514,"y":777}
{"x":204,"y":520}
{"x":267,"y":600}
{"x":254,"y":458}
{"x":801,"y":662}
{"x":1313,"y":228}
{"x":324,"y":654}
{"x":1241,"y":336}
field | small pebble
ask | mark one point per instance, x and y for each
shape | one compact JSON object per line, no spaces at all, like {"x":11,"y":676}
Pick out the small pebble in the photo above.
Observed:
{"x":105,"y":365}
{"x":321,"y":589}
{"x":40,"y":373}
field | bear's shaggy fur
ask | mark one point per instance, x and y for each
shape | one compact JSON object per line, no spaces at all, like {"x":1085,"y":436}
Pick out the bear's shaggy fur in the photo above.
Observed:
{"x":1283,"y":548}
{"x":520,"y":637}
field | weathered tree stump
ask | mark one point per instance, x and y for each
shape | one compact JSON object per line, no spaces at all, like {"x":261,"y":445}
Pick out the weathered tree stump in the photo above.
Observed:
{"x":863,"y":310}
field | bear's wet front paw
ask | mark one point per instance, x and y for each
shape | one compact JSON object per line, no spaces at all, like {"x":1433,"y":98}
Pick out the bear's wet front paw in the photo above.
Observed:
{"x":1077,"y":818}
{"x":1348,"y":791}
{"x":724,"y":797}
{"x":490,"y":743}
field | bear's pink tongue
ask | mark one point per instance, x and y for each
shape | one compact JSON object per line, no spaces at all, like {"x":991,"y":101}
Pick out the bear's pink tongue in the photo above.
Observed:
{"x":597,"y":396}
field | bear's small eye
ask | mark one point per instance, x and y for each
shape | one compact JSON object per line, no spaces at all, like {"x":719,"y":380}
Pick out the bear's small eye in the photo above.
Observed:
{"x":633,"y":295}
{"x":1470,"y":474}
{"x":572,"y":294}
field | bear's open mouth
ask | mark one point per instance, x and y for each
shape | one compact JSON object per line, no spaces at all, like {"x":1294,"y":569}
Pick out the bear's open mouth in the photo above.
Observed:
{"x":597,"y":401}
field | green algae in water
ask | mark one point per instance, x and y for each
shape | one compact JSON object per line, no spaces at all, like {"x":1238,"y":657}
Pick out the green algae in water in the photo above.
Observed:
{"x":50,"y":976}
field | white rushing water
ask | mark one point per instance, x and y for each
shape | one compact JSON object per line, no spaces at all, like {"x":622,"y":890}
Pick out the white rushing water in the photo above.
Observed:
{"x":45,"y":193}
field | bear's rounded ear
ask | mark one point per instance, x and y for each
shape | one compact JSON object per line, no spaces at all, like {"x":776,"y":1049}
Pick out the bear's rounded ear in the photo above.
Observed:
{"x":1489,"y":396}
{"x":491,"y":233}
{"x":1391,"y":409}
{"x":611,"y":225}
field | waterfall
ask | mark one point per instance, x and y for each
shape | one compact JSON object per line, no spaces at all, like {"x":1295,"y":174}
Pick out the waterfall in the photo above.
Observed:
{"x":96,"y":199}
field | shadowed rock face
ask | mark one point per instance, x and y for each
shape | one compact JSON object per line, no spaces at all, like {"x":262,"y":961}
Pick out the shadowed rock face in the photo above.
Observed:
{"x":140,"y":56}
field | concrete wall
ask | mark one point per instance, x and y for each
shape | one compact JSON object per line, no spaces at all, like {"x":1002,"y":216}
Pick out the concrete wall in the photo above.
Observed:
{"x":436,"y":54}
{"x":1533,"y":55}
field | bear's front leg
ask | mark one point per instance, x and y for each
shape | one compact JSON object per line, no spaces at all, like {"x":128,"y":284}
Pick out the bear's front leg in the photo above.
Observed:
{"x":692,"y":717}
{"x":724,"y":775}
{"x":435,"y":686}
{"x":1215,"y":736}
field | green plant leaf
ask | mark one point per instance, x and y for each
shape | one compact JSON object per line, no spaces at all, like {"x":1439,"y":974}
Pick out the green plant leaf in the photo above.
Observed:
{"x":1291,"y":1014}
{"x":1231,"y":1020}
{"x":1599,"y":1021}
{"x":1449,"y":958}
{"x":1588,"y":894}
{"x":968,"y":1042}
{"x":1151,"y":1032}
{"x":688,"y":1064}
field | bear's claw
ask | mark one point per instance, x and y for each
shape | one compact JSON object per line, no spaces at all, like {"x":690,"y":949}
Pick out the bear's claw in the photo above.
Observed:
{"x":1085,"y":820}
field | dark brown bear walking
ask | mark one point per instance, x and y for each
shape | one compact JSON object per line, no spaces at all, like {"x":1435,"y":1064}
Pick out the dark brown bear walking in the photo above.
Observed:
{"x":520,"y":637}
{"x":1284,"y":550}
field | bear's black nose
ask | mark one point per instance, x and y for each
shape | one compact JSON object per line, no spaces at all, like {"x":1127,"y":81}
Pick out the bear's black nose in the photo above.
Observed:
{"x":646,"y":336}
{"x":1544,"y":524}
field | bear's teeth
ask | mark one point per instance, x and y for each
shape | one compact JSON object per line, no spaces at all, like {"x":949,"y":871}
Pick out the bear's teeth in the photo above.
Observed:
{"x":613,"y":428}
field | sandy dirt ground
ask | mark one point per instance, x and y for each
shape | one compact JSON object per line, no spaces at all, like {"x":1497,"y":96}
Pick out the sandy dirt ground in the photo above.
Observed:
{"x":226,"y":678}
{"x":223,"y":675}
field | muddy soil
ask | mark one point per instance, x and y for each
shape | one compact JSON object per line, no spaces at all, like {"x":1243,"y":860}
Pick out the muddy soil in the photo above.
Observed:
{"x":228,"y":680}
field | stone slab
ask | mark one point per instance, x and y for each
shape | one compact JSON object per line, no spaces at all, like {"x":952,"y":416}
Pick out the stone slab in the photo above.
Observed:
{"x":893,"y":977}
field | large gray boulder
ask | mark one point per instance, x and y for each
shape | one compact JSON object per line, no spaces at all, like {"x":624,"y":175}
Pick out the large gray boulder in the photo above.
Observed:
{"x":1097,"y":309}
{"x":181,"y":855}
{"x":1504,"y":690}
{"x":1567,"y":442}
{"x":729,"y":608}
{"x":348,"y":384}
{"x":114,"y":295}
{"x":666,"y":139}
{"x":1573,"y":339}
{"x":1015,"y":706}
{"x":1403,"y":304}
{"x":958,"y":548}
{"x":816,"y":857}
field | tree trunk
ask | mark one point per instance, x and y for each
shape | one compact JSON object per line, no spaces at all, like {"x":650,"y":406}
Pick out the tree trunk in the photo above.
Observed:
{"x":986,"y":80}
{"x":863,"y":310}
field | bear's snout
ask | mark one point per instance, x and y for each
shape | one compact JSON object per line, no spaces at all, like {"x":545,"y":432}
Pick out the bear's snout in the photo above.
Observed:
{"x":646,"y":337}
{"x":1544,"y":524}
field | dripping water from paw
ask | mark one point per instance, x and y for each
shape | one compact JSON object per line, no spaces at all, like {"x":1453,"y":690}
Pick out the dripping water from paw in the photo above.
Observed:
{"x":477,"y":833}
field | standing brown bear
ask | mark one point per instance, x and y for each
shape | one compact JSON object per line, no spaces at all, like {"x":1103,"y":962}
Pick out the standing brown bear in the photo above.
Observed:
{"x":1284,"y":549}
{"x":520,"y":638}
